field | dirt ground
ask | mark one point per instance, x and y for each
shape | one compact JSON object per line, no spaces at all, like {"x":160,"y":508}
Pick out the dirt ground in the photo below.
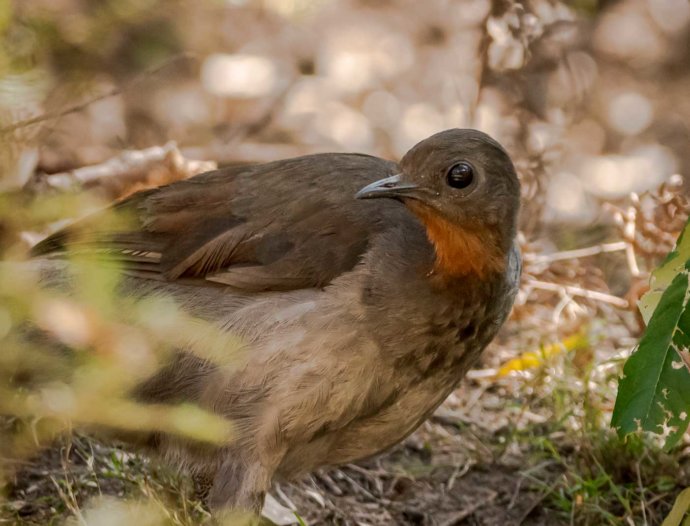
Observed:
{"x":428,"y":480}
{"x":531,"y":447}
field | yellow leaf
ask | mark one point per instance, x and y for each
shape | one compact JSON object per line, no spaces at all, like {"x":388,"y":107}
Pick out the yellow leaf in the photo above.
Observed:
{"x":5,"y":14}
{"x":664,"y":274}
{"x":680,"y":507}
{"x":533,"y":359}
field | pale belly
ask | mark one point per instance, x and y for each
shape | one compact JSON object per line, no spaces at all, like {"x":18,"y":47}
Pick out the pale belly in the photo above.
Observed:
{"x":316,"y":388}
{"x":339,"y":398}
{"x":369,"y":435}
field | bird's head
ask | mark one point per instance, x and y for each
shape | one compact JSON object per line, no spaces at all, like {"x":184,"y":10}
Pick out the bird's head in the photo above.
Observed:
{"x":462,"y":186}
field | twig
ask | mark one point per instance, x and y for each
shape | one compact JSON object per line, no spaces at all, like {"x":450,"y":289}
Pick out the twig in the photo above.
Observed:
{"x":578,"y":291}
{"x":458,"y":472}
{"x":483,"y":52}
{"x":332,"y":486}
{"x":536,"y":503}
{"x":314,"y":492}
{"x":558,"y":310}
{"x":629,"y":235}
{"x":369,"y":476}
{"x":528,"y":474}
{"x":286,"y":500}
{"x":69,"y":500}
{"x":242,"y":132}
{"x":132,"y":165}
{"x":579,"y":253}
{"x":107,"y":94}
{"x":632,"y":260}
{"x":251,"y":152}
{"x":640,"y":486}
{"x":470,"y":510}
{"x":358,"y":488}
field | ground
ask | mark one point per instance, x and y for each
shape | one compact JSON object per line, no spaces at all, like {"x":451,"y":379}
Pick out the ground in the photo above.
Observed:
{"x":492,"y":455}
{"x":427,"y":480}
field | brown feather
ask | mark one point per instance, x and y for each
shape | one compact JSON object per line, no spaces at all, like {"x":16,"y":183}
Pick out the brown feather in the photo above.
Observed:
{"x":279,"y":226}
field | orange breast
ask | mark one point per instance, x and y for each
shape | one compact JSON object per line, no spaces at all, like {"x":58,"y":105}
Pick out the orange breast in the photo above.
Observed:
{"x":459,"y":251}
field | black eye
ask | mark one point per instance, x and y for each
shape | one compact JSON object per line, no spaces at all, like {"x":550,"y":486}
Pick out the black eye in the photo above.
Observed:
{"x":460,"y":175}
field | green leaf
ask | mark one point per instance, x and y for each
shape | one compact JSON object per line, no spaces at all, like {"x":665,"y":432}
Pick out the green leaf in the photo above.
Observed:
{"x":664,"y":274}
{"x":654,"y":393}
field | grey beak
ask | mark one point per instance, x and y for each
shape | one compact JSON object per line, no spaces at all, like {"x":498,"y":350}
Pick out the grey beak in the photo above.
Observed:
{"x":392,"y":186}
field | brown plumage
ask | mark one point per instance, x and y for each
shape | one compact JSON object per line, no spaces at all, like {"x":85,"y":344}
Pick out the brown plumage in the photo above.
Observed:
{"x":358,"y":316}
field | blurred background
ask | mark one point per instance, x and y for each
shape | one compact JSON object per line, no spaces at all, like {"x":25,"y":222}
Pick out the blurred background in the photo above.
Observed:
{"x":590,"y":97}
{"x":592,"y":92}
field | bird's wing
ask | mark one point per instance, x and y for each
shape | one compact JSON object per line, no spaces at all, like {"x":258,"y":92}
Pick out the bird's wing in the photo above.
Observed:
{"x":277,"y":226}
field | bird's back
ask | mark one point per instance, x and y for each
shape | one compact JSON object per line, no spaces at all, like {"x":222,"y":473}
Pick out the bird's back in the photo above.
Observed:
{"x":286,"y":225}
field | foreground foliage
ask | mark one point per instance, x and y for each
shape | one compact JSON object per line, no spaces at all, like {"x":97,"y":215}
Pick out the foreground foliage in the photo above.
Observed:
{"x":654,"y":393}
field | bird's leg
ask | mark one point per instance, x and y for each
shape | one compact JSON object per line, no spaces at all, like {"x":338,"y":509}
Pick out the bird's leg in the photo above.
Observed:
{"x":238,"y":487}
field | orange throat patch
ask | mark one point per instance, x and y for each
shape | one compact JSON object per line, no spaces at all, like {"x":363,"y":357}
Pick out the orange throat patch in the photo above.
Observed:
{"x":459,"y":251}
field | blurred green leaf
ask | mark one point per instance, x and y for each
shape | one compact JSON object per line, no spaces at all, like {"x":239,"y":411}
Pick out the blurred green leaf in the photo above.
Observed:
{"x":114,"y":512}
{"x":5,"y":14}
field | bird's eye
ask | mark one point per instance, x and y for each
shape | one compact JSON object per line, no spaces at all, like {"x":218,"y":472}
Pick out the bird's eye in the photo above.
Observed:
{"x":460,"y":175}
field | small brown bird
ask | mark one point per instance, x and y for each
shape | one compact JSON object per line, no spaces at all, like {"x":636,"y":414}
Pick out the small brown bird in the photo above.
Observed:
{"x":359,"y":314}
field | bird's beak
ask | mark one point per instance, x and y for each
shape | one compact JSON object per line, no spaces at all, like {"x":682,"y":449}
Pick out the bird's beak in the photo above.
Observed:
{"x":392,"y":186}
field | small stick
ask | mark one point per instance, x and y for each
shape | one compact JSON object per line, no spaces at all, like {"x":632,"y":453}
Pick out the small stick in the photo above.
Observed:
{"x":332,"y":486}
{"x":358,"y":488}
{"x":558,"y":310}
{"x":458,"y":472}
{"x":578,"y":291}
{"x":455,"y":518}
{"x":373,"y":479}
{"x":641,"y":488}
{"x":629,"y":235}
{"x":129,"y":163}
{"x":84,"y":104}
{"x":580,"y":252}
{"x":286,"y":500}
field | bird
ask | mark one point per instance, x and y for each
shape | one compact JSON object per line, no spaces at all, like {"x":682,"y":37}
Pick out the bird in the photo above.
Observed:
{"x":362,"y":291}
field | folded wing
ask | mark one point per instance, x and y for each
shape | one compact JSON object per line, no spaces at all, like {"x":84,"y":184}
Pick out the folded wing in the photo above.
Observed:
{"x":277,"y":226}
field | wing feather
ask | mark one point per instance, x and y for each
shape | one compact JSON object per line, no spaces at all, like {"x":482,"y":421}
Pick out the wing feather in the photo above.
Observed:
{"x":278,"y":226}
